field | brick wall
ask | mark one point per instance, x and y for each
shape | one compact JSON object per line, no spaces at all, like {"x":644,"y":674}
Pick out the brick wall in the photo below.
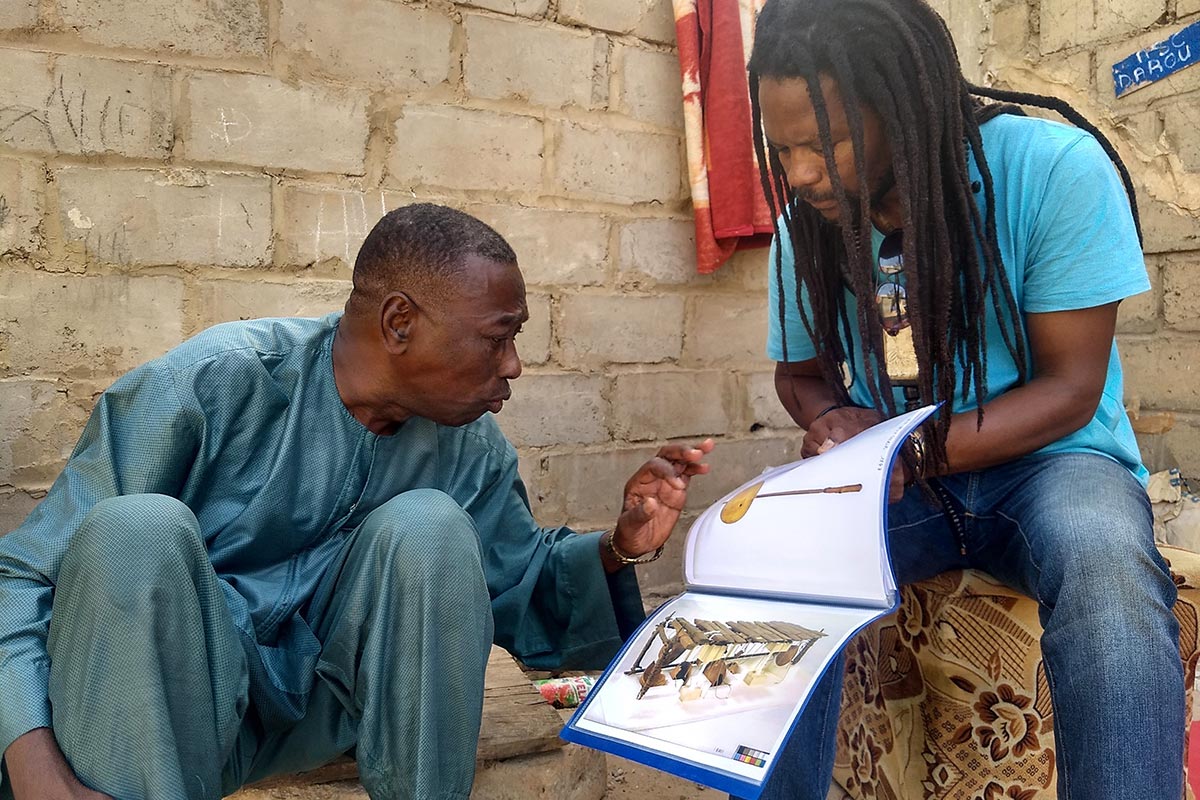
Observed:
{"x":1067,"y":48}
{"x":169,"y":164}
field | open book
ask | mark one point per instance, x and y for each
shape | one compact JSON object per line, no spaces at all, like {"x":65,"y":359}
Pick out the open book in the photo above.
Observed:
{"x":780,"y":574}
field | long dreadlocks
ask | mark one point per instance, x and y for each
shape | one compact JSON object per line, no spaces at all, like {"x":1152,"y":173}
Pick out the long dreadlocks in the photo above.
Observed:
{"x":896,"y":57}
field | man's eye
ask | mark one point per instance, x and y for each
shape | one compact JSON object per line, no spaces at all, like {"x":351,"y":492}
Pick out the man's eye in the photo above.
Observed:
{"x":499,"y":340}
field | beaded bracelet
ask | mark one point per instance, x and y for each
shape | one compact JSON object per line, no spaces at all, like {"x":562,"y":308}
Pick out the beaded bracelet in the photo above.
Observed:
{"x":611,"y":546}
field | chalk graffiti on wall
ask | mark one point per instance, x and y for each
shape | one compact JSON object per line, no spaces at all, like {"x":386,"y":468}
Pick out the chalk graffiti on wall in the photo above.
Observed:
{"x":69,"y":120}
{"x":1159,"y":60}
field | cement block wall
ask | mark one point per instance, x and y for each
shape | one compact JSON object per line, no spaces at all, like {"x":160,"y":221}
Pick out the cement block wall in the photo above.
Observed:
{"x":1067,"y":48}
{"x":169,"y":164}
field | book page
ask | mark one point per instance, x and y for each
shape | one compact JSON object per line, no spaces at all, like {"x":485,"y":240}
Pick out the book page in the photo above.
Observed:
{"x":710,"y":685}
{"x":813,"y":529}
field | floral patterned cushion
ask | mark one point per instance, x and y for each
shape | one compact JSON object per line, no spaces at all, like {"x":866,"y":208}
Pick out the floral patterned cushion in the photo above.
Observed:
{"x":947,"y":698}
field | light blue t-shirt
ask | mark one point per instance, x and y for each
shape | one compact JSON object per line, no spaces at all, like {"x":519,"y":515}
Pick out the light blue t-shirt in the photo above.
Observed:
{"x":1067,"y":240}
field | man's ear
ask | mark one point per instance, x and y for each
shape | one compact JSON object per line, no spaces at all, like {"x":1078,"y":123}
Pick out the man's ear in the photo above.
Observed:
{"x":397,"y":315}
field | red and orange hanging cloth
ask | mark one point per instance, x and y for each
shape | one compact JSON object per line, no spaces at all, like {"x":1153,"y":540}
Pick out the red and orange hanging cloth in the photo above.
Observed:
{"x":714,"y":38}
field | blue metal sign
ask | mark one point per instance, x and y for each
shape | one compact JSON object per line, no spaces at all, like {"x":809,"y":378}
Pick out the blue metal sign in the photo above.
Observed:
{"x":1181,"y":49}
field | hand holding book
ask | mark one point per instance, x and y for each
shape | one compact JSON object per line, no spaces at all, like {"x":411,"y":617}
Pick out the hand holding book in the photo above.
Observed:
{"x":837,"y":425}
{"x":841,"y":423}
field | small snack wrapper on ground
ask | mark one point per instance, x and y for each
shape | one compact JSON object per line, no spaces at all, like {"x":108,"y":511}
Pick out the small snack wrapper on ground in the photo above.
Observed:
{"x":565,"y":692}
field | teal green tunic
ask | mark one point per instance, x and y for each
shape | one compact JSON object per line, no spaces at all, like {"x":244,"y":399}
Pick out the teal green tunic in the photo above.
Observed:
{"x":244,"y":425}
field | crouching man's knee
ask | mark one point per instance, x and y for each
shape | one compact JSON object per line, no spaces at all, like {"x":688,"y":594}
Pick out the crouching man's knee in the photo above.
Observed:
{"x":424,"y":535}
{"x":133,"y":541}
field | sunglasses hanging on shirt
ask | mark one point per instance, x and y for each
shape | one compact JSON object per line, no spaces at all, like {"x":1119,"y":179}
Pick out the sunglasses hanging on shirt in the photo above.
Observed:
{"x":899,"y":353}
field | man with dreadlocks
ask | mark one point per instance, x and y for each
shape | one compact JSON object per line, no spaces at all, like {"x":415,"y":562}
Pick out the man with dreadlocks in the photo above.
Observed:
{"x":998,"y":246}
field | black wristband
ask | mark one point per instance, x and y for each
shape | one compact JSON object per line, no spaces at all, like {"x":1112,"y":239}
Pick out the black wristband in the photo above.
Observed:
{"x":827,"y":410}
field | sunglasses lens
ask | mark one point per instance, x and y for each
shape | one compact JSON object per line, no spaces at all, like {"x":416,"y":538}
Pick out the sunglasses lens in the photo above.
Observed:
{"x":893,"y":307}
{"x":891,"y":254}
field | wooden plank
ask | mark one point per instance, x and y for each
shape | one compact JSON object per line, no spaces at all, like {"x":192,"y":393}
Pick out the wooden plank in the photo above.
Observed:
{"x":516,"y":722}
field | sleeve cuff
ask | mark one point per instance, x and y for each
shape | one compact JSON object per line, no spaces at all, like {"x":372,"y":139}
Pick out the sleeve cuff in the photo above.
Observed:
{"x":1072,"y":302}
{"x":626,"y":598}
{"x":604,"y":608}
{"x":22,"y":712}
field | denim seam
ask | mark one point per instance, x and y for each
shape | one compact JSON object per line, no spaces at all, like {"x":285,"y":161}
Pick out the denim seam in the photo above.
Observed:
{"x":1064,"y":773}
{"x":1021,"y":531}
{"x":922,"y":521}
{"x":829,"y":715}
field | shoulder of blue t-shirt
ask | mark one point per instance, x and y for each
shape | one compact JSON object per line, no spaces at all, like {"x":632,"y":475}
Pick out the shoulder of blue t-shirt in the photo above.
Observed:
{"x":1004,"y":133}
{"x":1041,"y":164}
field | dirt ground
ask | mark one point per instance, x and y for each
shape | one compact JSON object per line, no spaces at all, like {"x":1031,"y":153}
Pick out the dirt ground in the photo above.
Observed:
{"x":630,"y":781}
{"x":626,"y":781}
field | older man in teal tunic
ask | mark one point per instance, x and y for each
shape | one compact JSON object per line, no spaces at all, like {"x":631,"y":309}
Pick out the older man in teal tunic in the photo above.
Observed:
{"x":288,"y":538}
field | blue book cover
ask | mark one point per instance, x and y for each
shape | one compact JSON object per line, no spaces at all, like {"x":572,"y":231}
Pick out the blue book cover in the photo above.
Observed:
{"x":780,"y":573}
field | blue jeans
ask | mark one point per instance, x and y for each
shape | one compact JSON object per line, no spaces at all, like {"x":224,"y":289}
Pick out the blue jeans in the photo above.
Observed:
{"x":1074,"y":531}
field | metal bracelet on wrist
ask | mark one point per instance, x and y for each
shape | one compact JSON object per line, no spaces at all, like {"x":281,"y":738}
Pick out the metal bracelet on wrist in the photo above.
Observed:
{"x":916,"y":446}
{"x":611,"y":546}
